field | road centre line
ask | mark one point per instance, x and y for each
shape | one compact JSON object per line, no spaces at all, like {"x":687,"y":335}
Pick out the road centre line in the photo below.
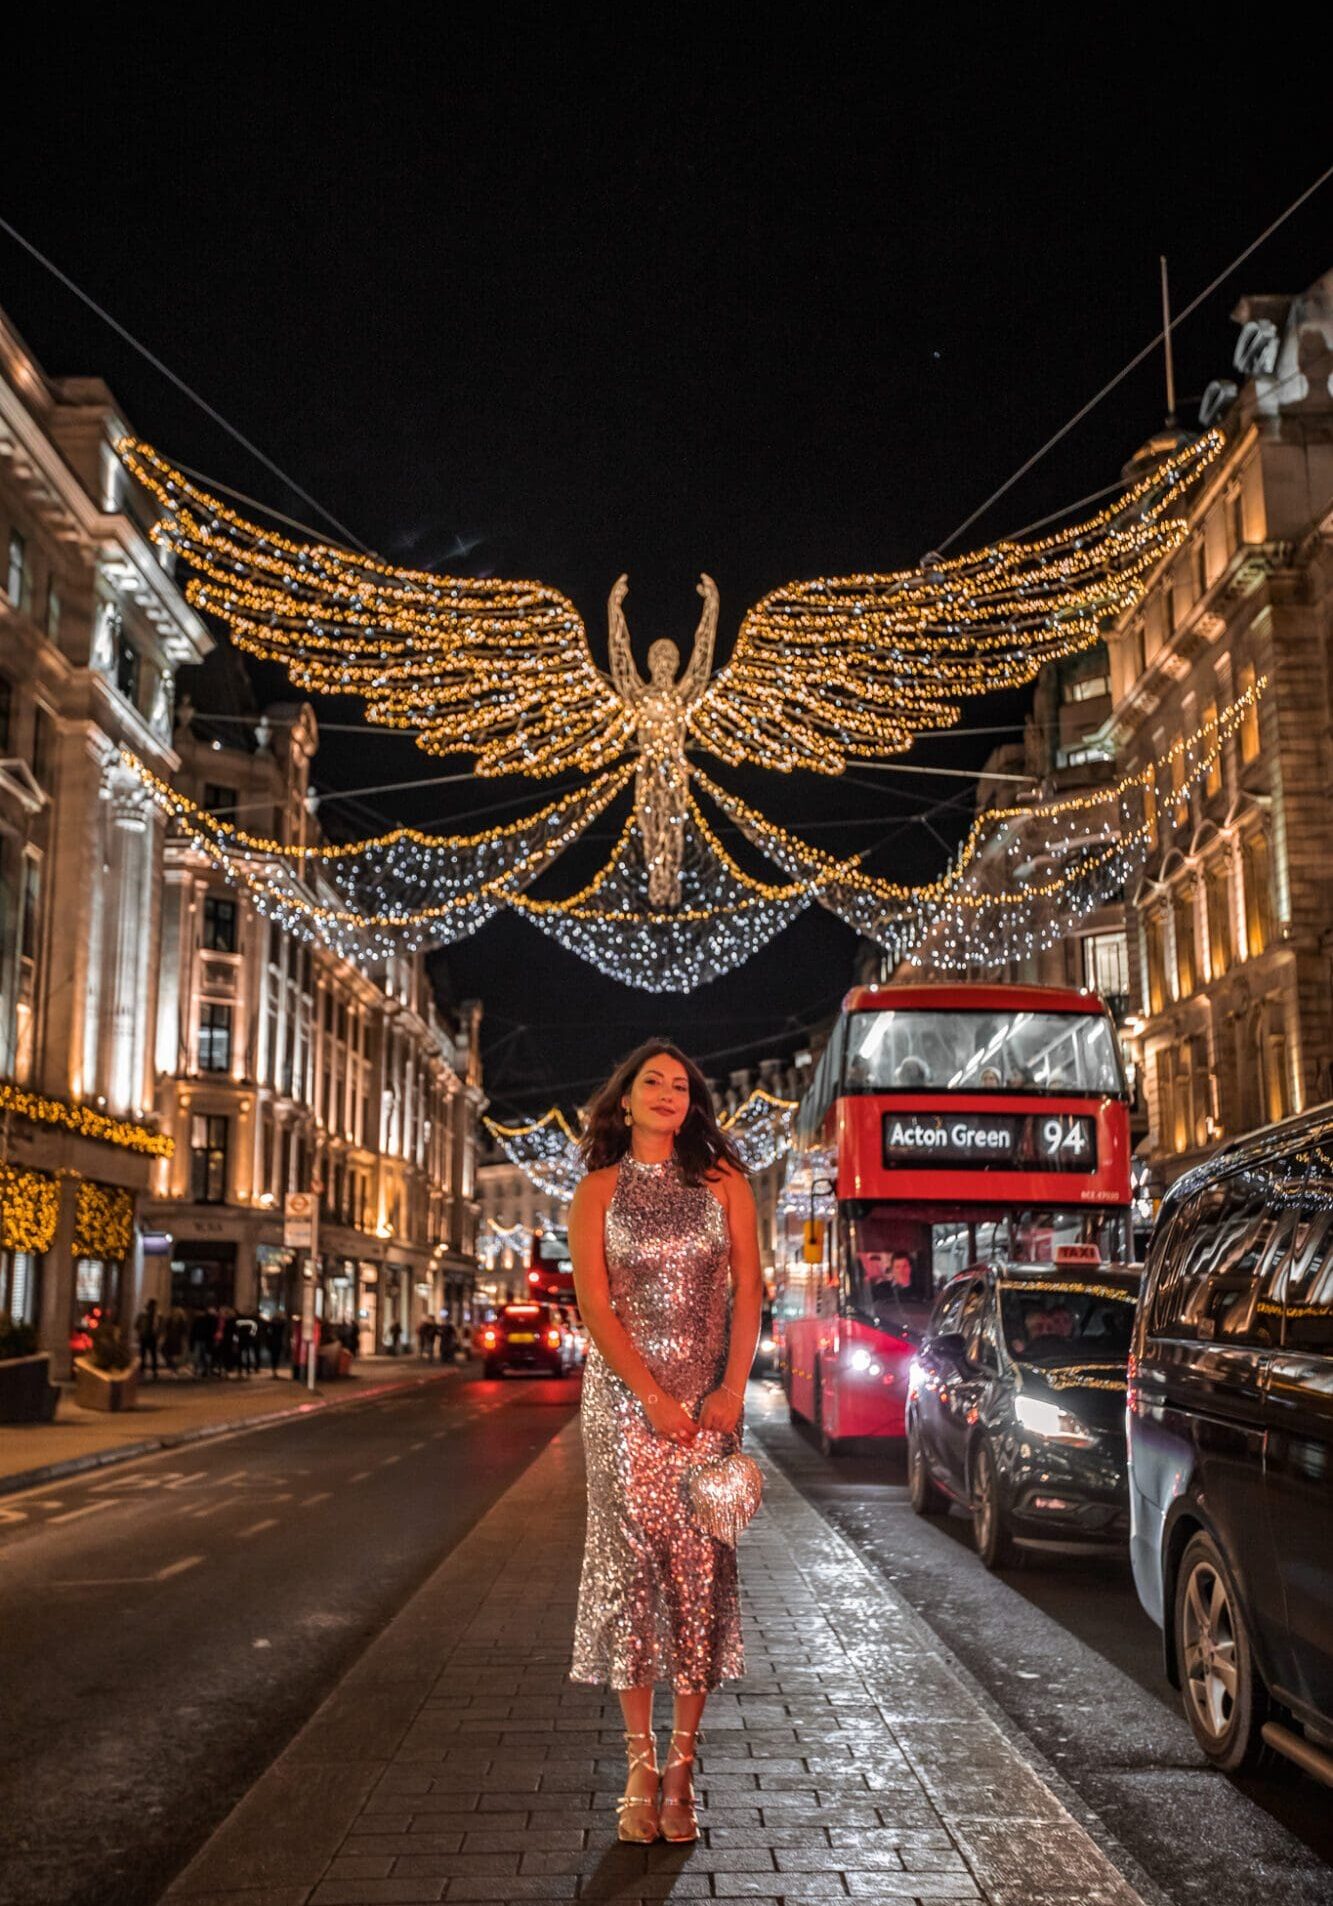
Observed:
{"x":88,"y":1509}
{"x":257,"y":1528}
{"x":324,"y":1495}
{"x":386,"y":1460}
{"x":360,"y":1476}
{"x":178,"y":1568}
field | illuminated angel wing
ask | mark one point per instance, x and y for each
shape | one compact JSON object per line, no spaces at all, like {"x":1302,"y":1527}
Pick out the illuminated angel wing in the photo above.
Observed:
{"x":498,"y":670}
{"x":860,"y":665}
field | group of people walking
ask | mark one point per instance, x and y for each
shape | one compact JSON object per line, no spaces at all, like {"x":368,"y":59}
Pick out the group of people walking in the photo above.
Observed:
{"x":216,"y":1342}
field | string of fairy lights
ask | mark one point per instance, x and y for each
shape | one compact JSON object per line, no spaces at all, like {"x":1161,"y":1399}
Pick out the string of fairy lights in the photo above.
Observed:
{"x":822,"y":672}
{"x":546,"y":1150}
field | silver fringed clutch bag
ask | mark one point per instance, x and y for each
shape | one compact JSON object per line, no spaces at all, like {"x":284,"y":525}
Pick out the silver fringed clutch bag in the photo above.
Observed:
{"x":724,"y":1490}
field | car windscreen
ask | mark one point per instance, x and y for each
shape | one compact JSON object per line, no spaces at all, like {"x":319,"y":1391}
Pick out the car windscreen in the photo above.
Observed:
{"x":1066,"y":1320}
{"x":942,"y":1051}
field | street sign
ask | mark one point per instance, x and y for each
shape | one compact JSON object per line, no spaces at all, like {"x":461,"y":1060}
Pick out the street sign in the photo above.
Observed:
{"x":299,"y":1215}
{"x":812,"y":1241}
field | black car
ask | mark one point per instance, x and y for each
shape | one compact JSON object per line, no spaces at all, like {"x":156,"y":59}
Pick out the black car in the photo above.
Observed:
{"x":1016,"y":1405}
{"x":1231,"y":1445}
{"x":529,"y":1337}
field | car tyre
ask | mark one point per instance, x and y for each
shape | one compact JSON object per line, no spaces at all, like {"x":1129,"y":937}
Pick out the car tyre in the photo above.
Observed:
{"x":828,"y":1445}
{"x":990,"y":1520}
{"x":1225,"y":1700}
{"x":923,"y":1492}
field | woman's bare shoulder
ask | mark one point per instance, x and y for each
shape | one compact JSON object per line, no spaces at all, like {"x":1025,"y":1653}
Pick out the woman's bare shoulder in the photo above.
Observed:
{"x":596,"y":1187}
{"x":730,"y":1181}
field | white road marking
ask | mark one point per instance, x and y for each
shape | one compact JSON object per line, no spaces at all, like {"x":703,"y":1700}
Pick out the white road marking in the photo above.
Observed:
{"x":89,"y":1509}
{"x":257,"y":1528}
{"x":420,"y":1445}
{"x":385,"y":1461}
{"x":360,"y":1476}
{"x":323,"y":1496}
{"x":177,"y":1568}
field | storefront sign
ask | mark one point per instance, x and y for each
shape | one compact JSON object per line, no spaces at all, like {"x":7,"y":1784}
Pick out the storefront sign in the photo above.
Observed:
{"x":991,"y":1141}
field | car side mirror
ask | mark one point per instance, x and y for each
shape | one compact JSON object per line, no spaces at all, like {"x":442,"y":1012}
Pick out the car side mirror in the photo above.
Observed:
{"x":952,"y":1345}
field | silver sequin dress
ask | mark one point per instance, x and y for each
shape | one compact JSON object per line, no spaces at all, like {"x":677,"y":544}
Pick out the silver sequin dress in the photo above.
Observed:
{"x":658,"y":1599}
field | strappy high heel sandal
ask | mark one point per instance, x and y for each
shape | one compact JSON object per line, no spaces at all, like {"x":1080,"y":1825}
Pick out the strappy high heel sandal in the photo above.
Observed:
{"x":683,"y":1823}
{"x":639,"y":1820}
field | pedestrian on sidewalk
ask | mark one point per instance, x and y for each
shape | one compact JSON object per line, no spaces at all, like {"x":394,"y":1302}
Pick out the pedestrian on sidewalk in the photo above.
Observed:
{"x":247,"y":1343}
{"x":175,"y":1338}
{"x":663,"y":1222}
{"x":395,"y":1337}
{"x":448,"y":1341}
{"x":146,"y":1328}
{"x":426,"y":1339}
{"x":202,"y":1332}
{"x":275,"y":1336}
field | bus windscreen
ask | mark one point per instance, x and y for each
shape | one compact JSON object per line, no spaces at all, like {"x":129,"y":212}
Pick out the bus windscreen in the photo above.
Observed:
{"x":913,"y":1050}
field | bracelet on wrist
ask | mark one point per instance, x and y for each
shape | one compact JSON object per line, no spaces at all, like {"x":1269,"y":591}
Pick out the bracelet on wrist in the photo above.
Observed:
{"x":738,"y":1394}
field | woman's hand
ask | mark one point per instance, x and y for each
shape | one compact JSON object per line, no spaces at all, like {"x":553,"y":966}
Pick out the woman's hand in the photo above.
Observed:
{"x":671,"y":1419}
{"x":721,"y":1412}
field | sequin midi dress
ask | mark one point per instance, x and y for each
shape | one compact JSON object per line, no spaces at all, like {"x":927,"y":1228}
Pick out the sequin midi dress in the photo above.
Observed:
{"x":658,"y":1598}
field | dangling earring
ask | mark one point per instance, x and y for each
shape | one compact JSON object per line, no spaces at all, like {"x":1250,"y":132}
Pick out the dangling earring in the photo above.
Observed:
{"x":629,"y":1116}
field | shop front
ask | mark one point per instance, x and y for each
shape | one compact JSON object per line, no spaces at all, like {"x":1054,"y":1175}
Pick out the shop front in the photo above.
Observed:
{"x":29,"y":1210}
{"x":203,"y":1274}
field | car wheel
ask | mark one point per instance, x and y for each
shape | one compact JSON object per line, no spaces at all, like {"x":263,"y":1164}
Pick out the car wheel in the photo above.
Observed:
{"x":923,"y":1492}
{"x":828,"y":1445}
{"x":1225,"y":1701}
{"x":990,"y":1522}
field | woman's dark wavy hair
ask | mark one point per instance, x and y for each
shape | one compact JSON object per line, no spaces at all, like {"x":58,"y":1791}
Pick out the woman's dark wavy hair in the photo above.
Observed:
{"x":701,"y":1144}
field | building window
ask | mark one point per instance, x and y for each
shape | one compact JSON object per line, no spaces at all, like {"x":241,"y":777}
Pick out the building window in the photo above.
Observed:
{"x":1249,"y":721}
{"x":1182,"y":913}
{"x":1212,"y":780}
{"x":1256,"y":864}
{"x":18,"y":581}
{"x":214,"y":1037}
{"x":1154,"y":959}
{"x":219,"y":800}
{"x":219,"y":924}
{"x":1180,"y":800}
{"x":1273,"y":1067}
{"x":52,"y":611}
{"x":43,"y":746}
{"x":208,"y":1158}
{"x":1221,"y":938}
{"x":127,"y":668}
{"x":1106,"y":964}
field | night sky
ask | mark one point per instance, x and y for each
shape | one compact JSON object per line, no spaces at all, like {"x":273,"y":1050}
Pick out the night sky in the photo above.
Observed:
{"x":546,"y":301}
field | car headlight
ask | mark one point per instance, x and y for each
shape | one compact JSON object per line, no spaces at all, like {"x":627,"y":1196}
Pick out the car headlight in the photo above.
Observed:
{"x":859,"y":1359}
{"x":1048,"y":1420}
{"x":766,"y":1345}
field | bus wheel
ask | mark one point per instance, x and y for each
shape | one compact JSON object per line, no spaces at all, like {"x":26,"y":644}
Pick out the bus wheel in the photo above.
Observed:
{"x":990,"y":1524}
{"x":923,"y":1492}
{"x":828,"y":1445}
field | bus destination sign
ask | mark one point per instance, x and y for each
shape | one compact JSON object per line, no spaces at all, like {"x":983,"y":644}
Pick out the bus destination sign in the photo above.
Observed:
{"x":991,"y":1141}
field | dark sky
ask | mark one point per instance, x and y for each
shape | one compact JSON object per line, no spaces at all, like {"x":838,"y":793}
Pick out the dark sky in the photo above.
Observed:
{"x":579,"y":301}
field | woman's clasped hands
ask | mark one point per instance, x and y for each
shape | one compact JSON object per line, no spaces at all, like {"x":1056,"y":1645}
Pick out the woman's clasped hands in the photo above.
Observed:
{"x":670,"y":1418}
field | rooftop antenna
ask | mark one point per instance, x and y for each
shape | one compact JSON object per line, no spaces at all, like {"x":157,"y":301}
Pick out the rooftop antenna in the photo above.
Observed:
{"x":1166,"y":346}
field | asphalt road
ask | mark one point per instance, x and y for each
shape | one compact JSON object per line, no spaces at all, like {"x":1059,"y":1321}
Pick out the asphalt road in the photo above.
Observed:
{"x":1063,"y":1647}
{"x":168,"y":1625}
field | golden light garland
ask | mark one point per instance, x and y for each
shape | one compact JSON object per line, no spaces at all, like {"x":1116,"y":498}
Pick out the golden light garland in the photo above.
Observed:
{"x":822,"y":671}
{"x":29,"y":1209}
{"x":103,"y":1220}
{"x":85,"y":1120}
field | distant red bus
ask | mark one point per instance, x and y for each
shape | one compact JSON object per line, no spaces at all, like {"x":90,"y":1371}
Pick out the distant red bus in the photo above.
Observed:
{"x":944,"y":1124}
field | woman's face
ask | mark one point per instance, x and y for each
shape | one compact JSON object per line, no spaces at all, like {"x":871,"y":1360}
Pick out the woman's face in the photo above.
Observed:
{"x":659,"y":1098}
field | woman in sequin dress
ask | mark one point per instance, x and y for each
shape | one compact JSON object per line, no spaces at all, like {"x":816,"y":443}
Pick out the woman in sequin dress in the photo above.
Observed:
{"x":665,"y":1248}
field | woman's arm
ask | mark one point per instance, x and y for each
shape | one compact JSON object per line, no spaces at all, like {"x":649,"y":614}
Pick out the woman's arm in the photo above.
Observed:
{"x":587,"y":1231}
{"x":722,"y":1409}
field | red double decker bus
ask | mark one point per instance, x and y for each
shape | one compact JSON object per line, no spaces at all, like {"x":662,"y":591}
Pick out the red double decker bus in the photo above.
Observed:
{"x":944,"y":1125}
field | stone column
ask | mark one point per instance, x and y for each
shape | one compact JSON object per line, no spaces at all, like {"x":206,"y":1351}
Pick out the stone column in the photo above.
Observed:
{"x":131,"y":865}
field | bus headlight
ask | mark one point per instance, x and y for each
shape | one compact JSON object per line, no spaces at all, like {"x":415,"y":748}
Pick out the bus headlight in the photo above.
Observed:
{"x":1049,"y":1421}
{"x":859,"y":1358}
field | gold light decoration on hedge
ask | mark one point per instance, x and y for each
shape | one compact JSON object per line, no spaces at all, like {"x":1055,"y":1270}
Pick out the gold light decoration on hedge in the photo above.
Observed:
{"x":29,"y":1209}
{"x":103,"y":1220}
{"x":822,"y":673}
{"x":85,"y":1120}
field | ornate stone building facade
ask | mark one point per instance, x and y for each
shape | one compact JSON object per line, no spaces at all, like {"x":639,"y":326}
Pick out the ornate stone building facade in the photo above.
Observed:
{"x":1231,"y":928}
{"x":284,"y":1067}
{"x":170,"y":1063}
{"x":92,"y":632}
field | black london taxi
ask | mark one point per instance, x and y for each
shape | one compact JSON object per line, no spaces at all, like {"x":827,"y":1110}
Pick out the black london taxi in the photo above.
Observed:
{"x":528,"y":1337}
{"x":1231,"y":1445}
{"x":1016,"y":1404}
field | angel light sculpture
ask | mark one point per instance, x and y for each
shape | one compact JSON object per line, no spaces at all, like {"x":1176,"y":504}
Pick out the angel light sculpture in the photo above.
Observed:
{"x":822,"y":672}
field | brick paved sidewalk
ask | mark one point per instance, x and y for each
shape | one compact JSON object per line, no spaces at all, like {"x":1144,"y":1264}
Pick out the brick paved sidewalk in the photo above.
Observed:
{"x":457,"y":1762}
{"x":182,"y":1409}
